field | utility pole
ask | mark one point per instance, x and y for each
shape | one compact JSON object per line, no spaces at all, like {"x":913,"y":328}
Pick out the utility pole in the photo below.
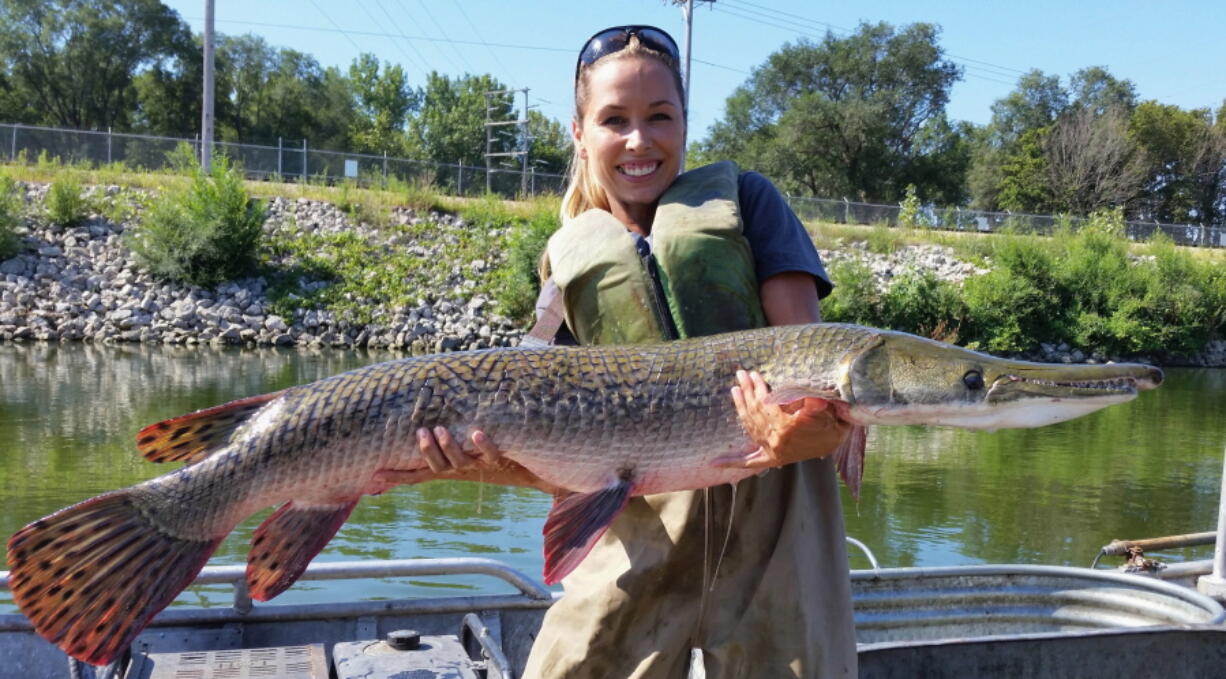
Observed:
{"x":687,"y":11}
{"x":521,"y":153}
{"x":206,"y":122}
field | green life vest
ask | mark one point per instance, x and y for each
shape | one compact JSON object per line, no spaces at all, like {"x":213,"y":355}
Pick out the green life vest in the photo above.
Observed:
{"x":698,"y":278}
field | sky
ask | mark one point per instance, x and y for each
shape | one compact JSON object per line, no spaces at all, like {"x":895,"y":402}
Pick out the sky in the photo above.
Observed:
{"x":1174,"y":52}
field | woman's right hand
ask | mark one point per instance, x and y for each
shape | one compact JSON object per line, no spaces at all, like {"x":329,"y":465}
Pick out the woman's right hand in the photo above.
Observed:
{"x":443,"y":454}
{"x":447,"y":459}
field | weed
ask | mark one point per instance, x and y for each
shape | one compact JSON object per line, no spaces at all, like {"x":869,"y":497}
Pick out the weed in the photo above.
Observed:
{"x":66,"y":204}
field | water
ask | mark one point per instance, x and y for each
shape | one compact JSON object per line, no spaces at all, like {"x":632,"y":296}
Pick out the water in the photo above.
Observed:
{"x":931,"y":496}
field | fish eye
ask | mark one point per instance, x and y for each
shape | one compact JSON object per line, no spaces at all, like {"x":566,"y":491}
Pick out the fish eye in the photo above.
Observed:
{"x":973,"y":380}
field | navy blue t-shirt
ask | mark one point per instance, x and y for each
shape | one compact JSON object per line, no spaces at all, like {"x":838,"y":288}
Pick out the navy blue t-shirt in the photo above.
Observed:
{"x":777,"y":238}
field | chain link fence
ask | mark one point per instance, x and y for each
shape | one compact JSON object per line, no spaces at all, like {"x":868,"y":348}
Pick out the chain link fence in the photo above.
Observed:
{"x":307,"y":164}
{"x":289,"y":163}
{"x":957,"y":219}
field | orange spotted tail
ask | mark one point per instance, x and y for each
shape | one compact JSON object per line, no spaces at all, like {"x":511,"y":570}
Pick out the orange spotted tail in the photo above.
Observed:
{"x":91,"y":576}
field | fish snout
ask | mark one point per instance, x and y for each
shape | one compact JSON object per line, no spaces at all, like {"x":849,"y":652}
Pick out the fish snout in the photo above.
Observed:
{"x":1151,"y":378}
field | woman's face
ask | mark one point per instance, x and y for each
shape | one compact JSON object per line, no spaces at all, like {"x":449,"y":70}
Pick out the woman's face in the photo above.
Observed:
{"x":632,"y":134}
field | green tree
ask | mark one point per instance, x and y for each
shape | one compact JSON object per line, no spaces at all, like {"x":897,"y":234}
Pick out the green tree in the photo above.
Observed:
{"x":841,"y":117}
{"x":168,"y":93}
{"x":450,"y":126}
{"x":74,"y":61}
{"x":1185,"y":154}
{"x":281,"y":92}
{"x":384,"y":102}
{"x":1035,"y":103}
{"x":551,"y":143}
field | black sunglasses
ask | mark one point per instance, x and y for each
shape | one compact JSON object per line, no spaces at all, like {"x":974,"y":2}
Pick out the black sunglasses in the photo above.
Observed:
{"x":615,"y":39}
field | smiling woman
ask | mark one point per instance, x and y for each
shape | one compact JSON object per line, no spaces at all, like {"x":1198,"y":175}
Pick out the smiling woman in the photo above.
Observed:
{"x":646,"y":253}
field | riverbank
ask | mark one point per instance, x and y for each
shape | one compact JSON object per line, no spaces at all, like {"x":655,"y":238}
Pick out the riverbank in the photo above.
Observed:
{"x":82,"y":283}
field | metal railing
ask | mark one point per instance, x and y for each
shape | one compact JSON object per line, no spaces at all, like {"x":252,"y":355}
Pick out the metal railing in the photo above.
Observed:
{"x":295,"y":162}
{"x":958,"y":219}
{"x":303,"y":163}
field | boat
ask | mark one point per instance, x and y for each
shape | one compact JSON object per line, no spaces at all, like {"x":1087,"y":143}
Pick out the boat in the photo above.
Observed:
{"x":956,"y":621}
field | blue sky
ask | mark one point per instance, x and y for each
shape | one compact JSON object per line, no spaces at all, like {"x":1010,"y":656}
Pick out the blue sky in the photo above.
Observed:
{"x":1174,"y":52}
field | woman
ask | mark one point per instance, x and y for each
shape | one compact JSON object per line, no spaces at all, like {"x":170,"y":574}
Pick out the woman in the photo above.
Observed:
{"x":748,"y":581}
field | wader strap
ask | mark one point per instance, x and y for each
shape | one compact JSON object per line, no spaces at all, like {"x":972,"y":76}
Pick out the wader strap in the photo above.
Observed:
{"x":548,"y":322}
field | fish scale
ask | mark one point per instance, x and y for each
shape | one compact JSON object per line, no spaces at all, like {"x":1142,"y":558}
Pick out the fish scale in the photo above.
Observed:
{"x":597,"y":424}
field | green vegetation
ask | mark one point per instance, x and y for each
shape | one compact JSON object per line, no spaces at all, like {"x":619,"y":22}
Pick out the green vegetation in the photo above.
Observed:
{"x":1088,"y":288}
{"x":12,"y":207}
{"x":66,"y":204}
{"x":519,"y":282}
{"x":204,"y":233}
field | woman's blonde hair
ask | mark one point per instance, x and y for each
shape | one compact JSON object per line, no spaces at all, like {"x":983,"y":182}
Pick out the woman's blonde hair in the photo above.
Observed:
{"x":583,"y":192}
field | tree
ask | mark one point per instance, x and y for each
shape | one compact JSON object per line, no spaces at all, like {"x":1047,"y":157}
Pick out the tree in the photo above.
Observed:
{"x":275,"y":93}
{"x":1091,"y":161}
{"x":841,"y":117}
{"x":450,"y":126}
{"x":167,"y":98}
{"x":74,"y":61}
{"x":551,"y":143}
{"x":384,"y":101}
{"x":1185,"y":154}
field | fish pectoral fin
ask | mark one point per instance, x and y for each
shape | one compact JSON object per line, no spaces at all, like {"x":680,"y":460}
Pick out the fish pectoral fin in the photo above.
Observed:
{"x":849,"y":458}
{"x":90,"y":577}
{"x":576,"y":522}
{"x":285,"y":543}
{"x":192,"y":437}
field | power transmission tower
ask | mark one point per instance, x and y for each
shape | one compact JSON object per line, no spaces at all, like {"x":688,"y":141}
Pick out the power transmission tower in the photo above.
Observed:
{"x":525,"y":143}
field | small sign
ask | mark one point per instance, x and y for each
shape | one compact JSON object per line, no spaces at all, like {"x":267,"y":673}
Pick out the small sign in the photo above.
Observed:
{"x":351,"y":168}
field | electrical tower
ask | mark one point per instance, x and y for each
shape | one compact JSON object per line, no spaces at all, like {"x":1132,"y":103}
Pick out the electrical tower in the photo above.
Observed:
{"x":525,"y":142}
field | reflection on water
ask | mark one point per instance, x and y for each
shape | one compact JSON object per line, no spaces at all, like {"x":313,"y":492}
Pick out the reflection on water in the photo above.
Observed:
{"x":69,"y":414}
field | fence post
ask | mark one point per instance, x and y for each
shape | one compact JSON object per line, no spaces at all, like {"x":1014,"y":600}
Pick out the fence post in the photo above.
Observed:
{"x":108,"y":144}
{"x":385,"y":169}
{"x":282,"y":177}
{"x":305,"y":176}
{"x":13,"y":146}
{"x":459,"y":173}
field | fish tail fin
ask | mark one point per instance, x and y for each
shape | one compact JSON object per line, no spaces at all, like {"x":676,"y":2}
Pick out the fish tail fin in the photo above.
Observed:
{"x":91,"y":576}
{"x":849,"y":458}
{"x":285,"y":543}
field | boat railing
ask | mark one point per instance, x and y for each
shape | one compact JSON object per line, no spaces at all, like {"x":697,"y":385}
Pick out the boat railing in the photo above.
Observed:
{"x":530,"y":594}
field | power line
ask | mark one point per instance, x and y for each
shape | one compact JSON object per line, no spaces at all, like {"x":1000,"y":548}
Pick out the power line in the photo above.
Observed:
{"x":448,"y":38}
{"x":460,"y":6}
{"x":793,"y":29}
{"x":425,"y":64}
{"x":400,"y":47}
{"x":338,"y":28}
{"x":379,"y":34}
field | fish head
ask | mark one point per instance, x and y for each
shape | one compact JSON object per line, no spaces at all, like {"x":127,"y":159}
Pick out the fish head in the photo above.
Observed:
{"x":905,"y":379}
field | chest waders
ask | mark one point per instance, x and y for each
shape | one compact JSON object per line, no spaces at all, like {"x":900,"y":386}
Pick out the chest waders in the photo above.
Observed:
{"x":780,"y":602}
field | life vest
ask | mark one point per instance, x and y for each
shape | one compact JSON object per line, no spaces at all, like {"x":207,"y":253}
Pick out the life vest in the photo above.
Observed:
{"x":694,"y":278}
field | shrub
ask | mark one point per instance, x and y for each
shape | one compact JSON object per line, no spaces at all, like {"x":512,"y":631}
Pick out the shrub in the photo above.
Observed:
{"x":11,"y":208}
{"x":519,"y":282}
{"x":923,"y":304}
{"x":855,"y":296}
{"x":66,"y":205}
{"x":206,"y":233}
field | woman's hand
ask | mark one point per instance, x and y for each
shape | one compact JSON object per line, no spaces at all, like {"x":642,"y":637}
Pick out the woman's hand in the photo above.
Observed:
{"x":803,"y":430}
{"x":443,"y":454}
{"x":447,"y":460}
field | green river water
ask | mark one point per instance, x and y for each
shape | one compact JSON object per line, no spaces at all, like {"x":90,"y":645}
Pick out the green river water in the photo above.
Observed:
{"x":932,"y":496}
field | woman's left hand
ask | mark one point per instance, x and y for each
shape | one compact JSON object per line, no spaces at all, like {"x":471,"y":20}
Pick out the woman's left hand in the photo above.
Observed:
{"x":803,"y":430}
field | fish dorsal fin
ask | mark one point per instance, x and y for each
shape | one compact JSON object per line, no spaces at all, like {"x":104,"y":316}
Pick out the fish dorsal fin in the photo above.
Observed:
{"x":285,"y":543}
{"x":192,"y":437}
{"x":576,"y":522}
{"x":849,"y":458}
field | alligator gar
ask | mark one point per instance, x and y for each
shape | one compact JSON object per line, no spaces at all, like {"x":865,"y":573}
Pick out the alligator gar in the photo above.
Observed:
{"x":600,"y":423}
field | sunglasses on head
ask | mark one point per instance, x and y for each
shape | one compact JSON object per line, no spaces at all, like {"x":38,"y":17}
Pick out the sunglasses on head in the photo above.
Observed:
{"x":615,"y":39}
